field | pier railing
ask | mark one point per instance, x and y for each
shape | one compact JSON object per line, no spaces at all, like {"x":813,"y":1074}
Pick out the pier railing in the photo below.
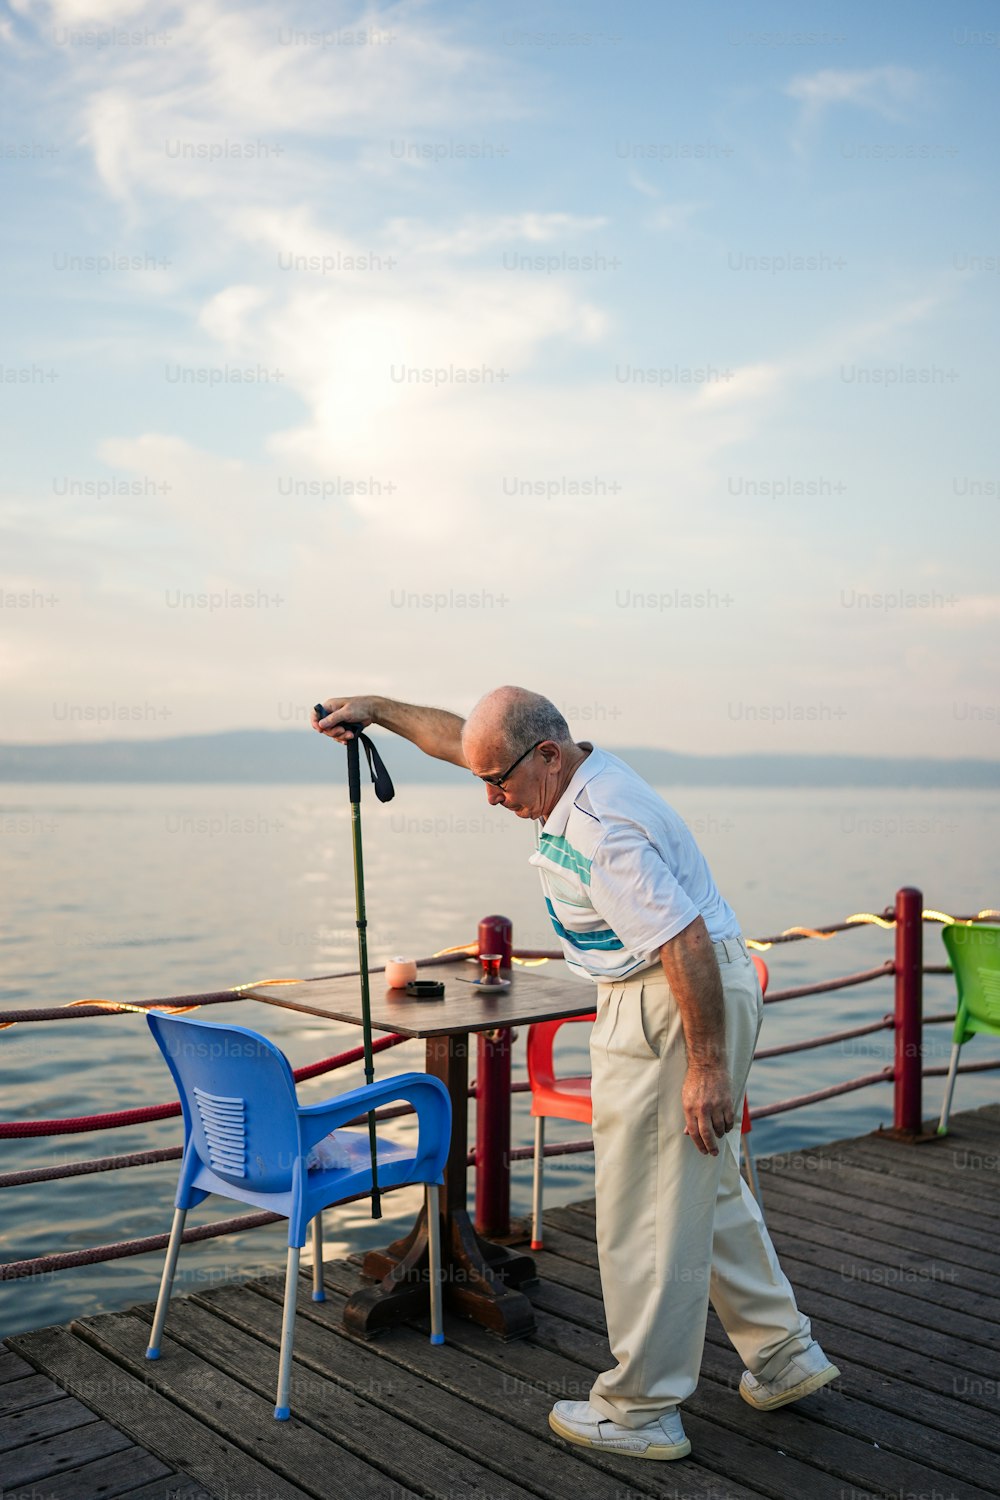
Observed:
{"x":493,"y":1088}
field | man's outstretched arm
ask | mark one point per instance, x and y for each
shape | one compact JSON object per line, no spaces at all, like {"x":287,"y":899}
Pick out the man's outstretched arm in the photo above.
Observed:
{"x":435,"y":731}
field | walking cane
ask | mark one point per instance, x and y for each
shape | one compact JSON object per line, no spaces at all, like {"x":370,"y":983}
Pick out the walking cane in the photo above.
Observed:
{"x":385,"y":792}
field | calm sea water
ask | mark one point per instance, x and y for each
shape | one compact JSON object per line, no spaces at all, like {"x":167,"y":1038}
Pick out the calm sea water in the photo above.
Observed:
{"x":131,"y":892}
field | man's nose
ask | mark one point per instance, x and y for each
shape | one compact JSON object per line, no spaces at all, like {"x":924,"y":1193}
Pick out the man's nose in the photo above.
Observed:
{"x":494,"y":794}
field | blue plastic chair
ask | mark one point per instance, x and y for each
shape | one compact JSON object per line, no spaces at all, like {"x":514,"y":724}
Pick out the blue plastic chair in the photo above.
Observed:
{"x":246,"y":1136}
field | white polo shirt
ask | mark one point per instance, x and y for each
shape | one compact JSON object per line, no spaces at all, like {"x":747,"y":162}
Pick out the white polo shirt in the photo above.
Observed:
{"x":621,"y":872}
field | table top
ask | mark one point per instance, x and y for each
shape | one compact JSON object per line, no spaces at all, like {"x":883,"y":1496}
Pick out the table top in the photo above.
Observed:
{"x":534,"y":995}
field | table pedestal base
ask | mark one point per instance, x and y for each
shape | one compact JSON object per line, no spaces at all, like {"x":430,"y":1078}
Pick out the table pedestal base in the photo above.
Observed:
{"x":480,"y":1281}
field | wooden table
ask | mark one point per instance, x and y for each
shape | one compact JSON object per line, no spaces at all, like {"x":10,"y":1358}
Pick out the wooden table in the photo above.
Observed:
{"x":481,"y":1278}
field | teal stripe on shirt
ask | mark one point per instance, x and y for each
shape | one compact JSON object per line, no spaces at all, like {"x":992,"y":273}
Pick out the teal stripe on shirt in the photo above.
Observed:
{"x":599,"y":937}
{"x":561,"y":852}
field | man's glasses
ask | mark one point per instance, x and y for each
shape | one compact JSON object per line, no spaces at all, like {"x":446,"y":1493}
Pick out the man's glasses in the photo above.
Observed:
{"x":498,"y":781}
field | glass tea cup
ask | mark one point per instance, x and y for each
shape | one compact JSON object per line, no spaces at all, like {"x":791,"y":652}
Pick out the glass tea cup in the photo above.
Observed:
{"x":491,"y":968}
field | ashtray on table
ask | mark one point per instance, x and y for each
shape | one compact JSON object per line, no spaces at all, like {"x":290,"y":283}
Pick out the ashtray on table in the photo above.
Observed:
{"x":425,"y":989}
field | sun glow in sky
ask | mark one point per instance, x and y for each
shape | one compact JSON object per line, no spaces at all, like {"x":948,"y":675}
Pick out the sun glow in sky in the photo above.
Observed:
{"x":644,"y":354}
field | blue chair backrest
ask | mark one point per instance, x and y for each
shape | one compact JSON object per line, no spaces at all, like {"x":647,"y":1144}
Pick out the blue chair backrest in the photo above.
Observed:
{"x":238,"y":1099}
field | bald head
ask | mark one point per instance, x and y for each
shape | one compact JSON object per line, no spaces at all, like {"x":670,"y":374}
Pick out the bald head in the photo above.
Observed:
{"x":509,"y":719}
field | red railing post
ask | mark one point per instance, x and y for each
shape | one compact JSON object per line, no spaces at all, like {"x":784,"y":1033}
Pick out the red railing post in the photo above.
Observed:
{"x":493,"y":1101}
{"x":908,"y":1067}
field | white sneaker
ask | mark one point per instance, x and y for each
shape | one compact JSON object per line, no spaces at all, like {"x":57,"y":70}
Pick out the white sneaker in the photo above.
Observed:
{"x":805,"y":1373}
{"x":578,"y":1422}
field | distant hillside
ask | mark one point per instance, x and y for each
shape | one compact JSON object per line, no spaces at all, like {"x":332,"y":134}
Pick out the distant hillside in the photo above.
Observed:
{"x":282,"y":755}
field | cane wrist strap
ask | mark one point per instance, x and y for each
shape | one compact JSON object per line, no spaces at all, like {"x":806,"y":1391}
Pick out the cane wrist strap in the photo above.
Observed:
{"x":381,"y":780}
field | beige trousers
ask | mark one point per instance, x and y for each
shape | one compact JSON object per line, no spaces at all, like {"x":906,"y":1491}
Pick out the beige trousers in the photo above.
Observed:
{"x":674,"y":1227}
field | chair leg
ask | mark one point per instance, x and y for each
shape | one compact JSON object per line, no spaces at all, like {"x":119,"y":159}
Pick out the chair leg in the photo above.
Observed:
{"x":318,"y":1293}
{"x":949,"y":1089}
{"x":281,"y":1410}
{"x":166,"y":1283}
{"x":538,"y":1185}
{"x":434,"y":1260}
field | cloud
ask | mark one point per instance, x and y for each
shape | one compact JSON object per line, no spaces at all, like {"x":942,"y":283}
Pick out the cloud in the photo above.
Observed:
{"x":747,"y":383}
{"x":642,"y":184}
{"x":480,"y":232}
{"x":98,"y":14}
{"x":752,"y":384}
{"x":370,"y":470}
{"x":673,"y":218}
{"x":418,"y":357}
{"x":429,"y":379}
{"x":887,"y":91}
{"x":226,"y":315}
{"x":975,"y":607}
{"x":215,"y":78}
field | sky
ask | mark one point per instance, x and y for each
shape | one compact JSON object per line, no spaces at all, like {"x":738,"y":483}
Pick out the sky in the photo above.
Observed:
{"x":644,"y":355}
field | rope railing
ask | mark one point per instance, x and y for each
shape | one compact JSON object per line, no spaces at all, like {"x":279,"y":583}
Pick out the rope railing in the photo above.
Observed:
{"x":179,"y":1004}
{"x":43,"y":1265}
{"x":887,"y":1023}
{"x":827,"y":986}
{"x":887,"y":1075}
{"x":885,"y":919}
{"x":77,"y":1124}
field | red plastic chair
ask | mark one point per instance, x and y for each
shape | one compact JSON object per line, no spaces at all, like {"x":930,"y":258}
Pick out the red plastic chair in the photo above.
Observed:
{"x":569,"y":1099}
{"x":746,"y":1127}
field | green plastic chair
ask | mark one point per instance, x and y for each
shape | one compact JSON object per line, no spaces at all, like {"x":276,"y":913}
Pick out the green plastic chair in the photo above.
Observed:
{"x":974,"y":954}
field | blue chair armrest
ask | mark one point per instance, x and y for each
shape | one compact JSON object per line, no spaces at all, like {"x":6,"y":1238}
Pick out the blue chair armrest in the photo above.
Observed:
{"x":427,"y":1094}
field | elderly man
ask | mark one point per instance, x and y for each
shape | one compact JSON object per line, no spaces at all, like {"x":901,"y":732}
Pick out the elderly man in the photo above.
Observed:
{"x":678,"y":1012}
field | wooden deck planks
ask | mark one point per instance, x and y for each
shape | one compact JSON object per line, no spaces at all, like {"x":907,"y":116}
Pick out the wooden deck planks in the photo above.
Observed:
{"x":894,"y":1252}
{"x":358,"y":1402}
{"x":30,"y":1390}
{"x":234,"y":1406}
{"x":36,"y":1422}
{"x":12,"y":1367}
{"x":116,"y":1475}
{"x":846,"y":1452}
{"x":866,"y":1303}
{"x":135,"y":1408}
{"x":55,"y":1454}
{"x":903,"y":1231}
{"x":927,"y":1355}
{"x":53,"y":1446}
{"x":433,"y":1411}
{"x":892,"y":1390}
{"x":538,"y":1376}
{"x":945,"y":1173}
{"x":463,"y":1402}
{"x":867,"y":1196}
